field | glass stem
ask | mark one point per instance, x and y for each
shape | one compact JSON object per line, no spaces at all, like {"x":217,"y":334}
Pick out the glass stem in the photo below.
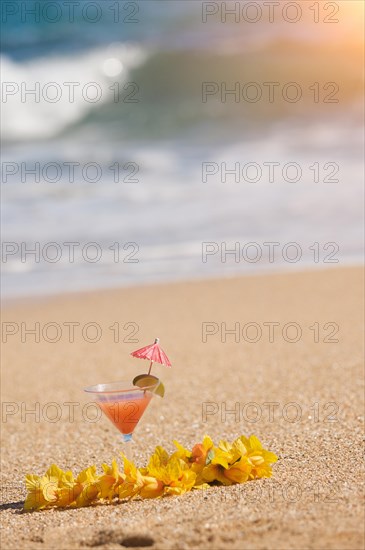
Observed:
{"x":127,"y":448}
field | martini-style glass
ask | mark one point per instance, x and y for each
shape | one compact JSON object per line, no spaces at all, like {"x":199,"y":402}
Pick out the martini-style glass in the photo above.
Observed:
{"x":124,"y":404}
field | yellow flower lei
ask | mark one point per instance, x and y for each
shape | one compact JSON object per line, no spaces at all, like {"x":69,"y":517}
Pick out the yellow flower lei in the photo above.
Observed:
{"x":228,"y":463}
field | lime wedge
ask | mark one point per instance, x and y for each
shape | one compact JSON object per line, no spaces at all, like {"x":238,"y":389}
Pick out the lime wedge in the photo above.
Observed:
{"x":145,"y":380}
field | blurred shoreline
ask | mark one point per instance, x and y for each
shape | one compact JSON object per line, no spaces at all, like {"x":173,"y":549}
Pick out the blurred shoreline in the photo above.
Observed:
{"x":32,"y":299}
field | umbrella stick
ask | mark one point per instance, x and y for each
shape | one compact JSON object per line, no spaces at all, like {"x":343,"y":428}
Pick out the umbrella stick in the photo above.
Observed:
{"x":149,"y":370}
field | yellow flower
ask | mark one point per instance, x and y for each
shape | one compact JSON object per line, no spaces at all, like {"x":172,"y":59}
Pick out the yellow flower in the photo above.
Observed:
{"x":55,"y":488}
{"x":180,"y":482}
{"x":67,"y":491}
{"x":259,"y":458}
{"x":132,"y":483}
{"x":151,"y":488}
{"x":41,"y":492}
{"x":175,"y":475}
{"x":239,"y":472}
{"x":200,"y":452}
{"x":172,"y":474}
{"x":215,"y":471}
{"x":238,"y":462}
{"x":159,"y":459}
{"x":182,"y":453}
{"x":209,"y":462}
{"x":138,"y":482}
{"x":109,"y":483}
{"x":86,"y":487}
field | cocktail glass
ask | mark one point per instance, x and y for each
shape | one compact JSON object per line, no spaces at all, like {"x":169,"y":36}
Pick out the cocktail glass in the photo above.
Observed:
{"x":124,"y":404}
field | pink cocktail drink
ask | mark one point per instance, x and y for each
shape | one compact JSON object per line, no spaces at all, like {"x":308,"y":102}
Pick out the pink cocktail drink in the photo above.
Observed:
{"x":124,"y":404}
{"x":125,"y":412}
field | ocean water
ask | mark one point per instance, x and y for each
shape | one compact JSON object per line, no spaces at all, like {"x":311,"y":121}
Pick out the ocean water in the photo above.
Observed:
{"x":149,"y":171}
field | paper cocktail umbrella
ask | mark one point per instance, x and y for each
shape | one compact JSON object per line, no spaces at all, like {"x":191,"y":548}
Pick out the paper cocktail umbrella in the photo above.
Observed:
{"x":153,"y":353}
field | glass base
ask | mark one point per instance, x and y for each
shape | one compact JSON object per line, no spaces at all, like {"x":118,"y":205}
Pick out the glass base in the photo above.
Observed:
{"x":127,"y":447}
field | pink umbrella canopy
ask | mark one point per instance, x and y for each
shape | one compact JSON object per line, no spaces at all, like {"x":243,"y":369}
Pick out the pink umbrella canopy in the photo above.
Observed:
{"x":153,"y":353}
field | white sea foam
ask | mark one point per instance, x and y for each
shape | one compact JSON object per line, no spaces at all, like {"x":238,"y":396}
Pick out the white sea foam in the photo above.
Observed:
{"x":27,"y":115}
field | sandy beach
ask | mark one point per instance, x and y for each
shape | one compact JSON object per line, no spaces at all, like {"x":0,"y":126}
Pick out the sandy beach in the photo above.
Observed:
{"x":290,"y":371}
